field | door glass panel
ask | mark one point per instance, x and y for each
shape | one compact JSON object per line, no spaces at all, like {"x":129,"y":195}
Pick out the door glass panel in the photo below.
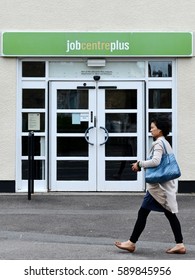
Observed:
{"x":160,"y":69}
{"x":72,"y":99}
{"x":121,"y":99}
{"x":160,"y":98}
{"x":39,"y":169}
{"x":72,"y":146}
{"x":119,"y":170}
{"x":66,"y":123}
{"x":121,"y":147}
{"x":72,"y":170}
{"x":39,"y":146}
{"x":121,"y":122}
{"x":33,"y":98}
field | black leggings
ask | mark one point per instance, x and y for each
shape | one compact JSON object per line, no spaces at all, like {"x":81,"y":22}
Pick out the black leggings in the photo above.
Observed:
{"x":141,"y":223}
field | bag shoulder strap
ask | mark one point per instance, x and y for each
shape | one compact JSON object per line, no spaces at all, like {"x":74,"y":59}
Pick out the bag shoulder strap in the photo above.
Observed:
{"x":164,"y":146}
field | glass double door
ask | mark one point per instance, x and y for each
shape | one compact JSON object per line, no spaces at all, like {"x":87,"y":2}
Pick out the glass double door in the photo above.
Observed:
{"x":96,"y":130}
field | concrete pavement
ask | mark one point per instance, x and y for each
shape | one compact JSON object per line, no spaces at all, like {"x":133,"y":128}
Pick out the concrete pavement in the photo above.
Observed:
{"x":84,"y":226}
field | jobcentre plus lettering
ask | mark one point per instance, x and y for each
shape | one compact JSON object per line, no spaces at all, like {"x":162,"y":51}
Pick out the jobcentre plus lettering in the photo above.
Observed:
{"x":97,"y":46}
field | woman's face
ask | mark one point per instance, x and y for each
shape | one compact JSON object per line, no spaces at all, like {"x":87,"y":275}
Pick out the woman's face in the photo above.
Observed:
{"x":155,"y":131}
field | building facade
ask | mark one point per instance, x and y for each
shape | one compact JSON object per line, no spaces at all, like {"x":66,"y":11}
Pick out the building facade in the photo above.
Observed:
{"x":86,"y":77}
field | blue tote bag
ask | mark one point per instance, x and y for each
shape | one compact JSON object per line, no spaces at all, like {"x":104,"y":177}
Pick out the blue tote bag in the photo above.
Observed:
{"x":167,"y":170}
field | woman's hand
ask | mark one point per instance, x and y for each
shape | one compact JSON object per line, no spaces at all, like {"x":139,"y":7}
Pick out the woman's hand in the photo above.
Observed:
{"x":135,"y":167}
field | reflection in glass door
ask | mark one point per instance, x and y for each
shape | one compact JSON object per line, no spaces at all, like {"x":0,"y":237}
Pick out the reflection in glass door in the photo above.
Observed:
{"x":96,"y":132}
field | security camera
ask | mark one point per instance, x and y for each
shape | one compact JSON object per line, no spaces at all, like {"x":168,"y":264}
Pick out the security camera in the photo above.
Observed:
{"x":96,"y":78}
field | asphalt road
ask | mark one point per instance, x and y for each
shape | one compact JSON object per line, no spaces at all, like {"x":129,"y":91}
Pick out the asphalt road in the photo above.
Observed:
{"x":58,"y":226}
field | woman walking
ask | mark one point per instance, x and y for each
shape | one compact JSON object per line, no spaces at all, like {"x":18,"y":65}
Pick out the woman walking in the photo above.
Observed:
{"x":159,"y":197}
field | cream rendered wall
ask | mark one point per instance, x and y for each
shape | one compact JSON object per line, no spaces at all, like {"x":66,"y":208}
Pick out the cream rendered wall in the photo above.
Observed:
{"x":77,"y":15}
{"x":7,"y":118}
{"x":186,"y":117}
{"x":98,"y":15}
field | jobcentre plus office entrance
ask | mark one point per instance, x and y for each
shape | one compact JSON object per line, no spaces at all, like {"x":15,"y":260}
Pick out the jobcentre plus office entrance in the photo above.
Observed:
{"x":95,"y":135}
{"x":90,"y":122}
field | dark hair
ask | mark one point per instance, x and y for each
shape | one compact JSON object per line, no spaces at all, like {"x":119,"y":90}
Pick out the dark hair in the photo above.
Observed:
{"x":162,"y":123}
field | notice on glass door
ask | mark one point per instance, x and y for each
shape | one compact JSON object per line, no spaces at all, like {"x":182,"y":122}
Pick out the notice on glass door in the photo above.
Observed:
{"x":84,"y":117}
{"x":77,"y":118}
{"x":34,"y":121}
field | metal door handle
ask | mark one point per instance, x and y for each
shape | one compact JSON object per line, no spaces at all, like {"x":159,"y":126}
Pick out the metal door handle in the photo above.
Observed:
{"x":107,"y":135}
{"x":86,"y":132}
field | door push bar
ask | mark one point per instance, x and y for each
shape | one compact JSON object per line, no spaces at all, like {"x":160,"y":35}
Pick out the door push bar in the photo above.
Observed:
{"x":85,"y":87}
{"x":107,"y":87}
{"x":107,"y":135}
{"x":86,"y":132}
{"x":100,"y":87}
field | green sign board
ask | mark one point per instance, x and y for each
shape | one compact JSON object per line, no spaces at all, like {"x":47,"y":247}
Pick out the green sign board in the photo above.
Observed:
{"x":74,"y":44}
